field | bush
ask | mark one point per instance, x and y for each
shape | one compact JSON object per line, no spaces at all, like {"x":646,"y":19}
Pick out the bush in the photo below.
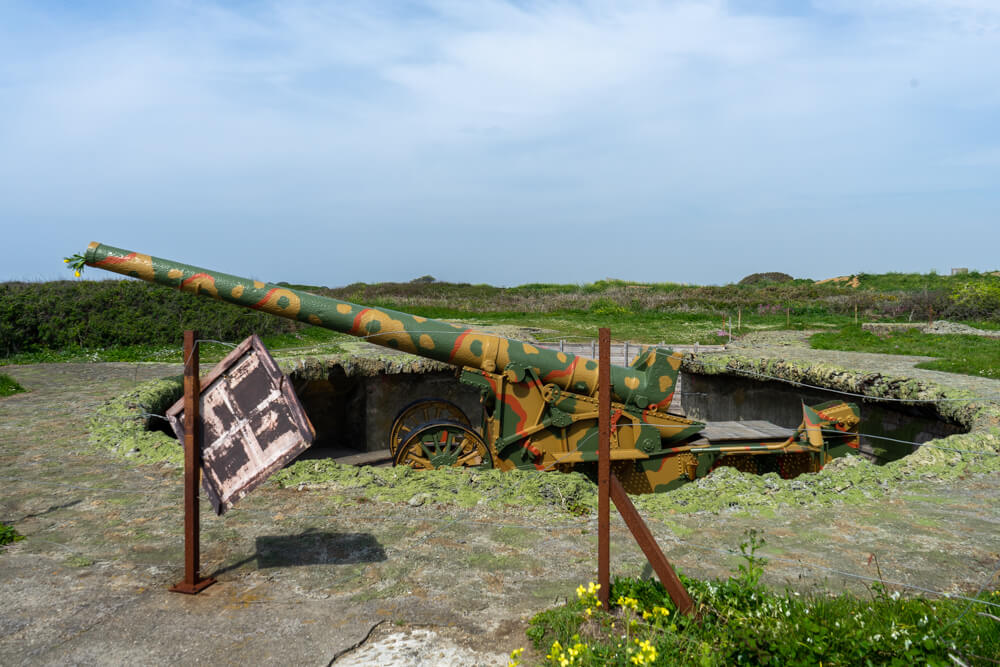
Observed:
{"x":9,"y":386}
{"x":8,"y":535}
{"x":771,"y":277}
{"x":97,"y":314}
{"x":974,"y":301}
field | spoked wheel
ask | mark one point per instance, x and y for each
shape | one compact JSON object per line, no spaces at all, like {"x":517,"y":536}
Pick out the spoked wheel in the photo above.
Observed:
{"x":419,"y":413}
{"x":444,"y":444}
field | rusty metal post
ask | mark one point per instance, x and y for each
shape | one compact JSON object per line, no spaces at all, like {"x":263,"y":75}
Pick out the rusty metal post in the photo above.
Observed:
{"x":604,"y":468}
{"x":193,"y":581}
{"x":644,"y":538}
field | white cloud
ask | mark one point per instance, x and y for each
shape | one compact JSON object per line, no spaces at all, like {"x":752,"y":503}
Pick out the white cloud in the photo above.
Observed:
{"x":492,"y":110}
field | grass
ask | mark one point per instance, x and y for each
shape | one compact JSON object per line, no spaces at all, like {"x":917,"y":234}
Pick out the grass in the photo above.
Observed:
{"x":743,"y":622}
{"x":132,"y":321}
{"x":971,"y":355}
{"x":648,"y":326}
{"x":680,"y":328}
{"x":9,"y":386}
{"x":312,"y":338}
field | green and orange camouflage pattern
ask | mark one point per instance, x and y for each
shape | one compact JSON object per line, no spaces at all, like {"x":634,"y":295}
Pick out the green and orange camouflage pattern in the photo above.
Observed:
{"x":647,"y":385}
{"x":540,"y":405}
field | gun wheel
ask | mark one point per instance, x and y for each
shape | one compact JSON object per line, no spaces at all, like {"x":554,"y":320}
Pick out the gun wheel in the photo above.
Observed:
{"x":420,"y":412}
{"x":444,"y":444}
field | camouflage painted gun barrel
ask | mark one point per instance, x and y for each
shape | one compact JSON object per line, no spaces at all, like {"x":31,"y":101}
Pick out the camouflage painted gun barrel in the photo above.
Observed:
{"x":410,"y":333}
{"x":540,"y":406}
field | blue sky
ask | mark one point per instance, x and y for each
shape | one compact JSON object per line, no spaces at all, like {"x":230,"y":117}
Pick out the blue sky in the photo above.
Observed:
{"x":503,"y":142}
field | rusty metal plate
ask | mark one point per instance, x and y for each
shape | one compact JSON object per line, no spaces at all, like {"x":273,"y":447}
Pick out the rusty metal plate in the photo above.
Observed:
{"x":251,"y":423}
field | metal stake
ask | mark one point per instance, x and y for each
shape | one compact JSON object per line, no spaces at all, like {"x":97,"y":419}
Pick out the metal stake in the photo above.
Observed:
{"x":644,"y":538}
{"x":604,"y":468}
{"x":193,"y":581}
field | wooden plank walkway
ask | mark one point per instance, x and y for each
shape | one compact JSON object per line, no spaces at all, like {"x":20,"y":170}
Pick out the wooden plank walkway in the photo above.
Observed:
{"x":756,"y":429}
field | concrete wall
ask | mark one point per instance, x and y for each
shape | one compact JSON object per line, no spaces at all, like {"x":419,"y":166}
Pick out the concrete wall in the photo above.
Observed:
{"x":726,"y":397}
{"x":356,"y":412}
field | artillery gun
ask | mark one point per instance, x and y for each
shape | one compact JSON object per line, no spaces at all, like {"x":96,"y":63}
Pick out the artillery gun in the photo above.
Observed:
{"x":540,"y":407}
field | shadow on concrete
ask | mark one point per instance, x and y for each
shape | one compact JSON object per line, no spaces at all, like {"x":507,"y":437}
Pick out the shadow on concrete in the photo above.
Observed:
{"x":312,"y":548}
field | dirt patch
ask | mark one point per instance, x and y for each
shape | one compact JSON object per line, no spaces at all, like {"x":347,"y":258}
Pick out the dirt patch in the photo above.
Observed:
{"x":851,"y":281}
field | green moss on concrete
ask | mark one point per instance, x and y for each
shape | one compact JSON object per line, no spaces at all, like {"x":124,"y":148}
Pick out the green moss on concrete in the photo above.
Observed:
{"x":122,"y":425}
{"x":514,"y":536}
{"x":466,"y":488}
{"x":363,"y":361}
{"x":954,"y":405}
{"x":852,"y":479}
{"x":491,"y":562}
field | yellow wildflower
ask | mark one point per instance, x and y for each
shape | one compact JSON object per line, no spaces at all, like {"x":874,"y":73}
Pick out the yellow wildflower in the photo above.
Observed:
{"x":626,"y":602}
{"x":645,"y":655}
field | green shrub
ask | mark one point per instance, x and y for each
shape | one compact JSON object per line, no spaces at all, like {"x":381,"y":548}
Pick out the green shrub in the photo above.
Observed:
{"x":976,"y":300}
{"x":96,"y":314}
{"x":607,"y":308}
{"x":8,"y":535}
{"x":771,"y":277}
{"x":9,"y":386}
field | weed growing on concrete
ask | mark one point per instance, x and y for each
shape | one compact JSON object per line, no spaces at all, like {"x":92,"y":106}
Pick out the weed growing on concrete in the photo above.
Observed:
{"x":9,"y":386}
{"x":8,"y":535}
